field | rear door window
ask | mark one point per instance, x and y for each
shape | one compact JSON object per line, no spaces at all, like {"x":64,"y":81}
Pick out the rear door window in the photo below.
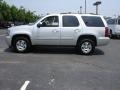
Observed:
{"x":70,"y":21}
{"x":92,"y":21}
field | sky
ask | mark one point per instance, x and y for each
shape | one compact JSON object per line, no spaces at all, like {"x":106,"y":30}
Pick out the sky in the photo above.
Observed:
{"x":107,"y":8}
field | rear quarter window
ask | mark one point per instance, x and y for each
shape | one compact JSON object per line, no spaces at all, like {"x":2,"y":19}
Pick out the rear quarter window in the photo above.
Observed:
{"x":92,"y":21}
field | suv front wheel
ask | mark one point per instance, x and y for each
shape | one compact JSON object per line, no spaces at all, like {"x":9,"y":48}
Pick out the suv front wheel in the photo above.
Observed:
{"x":21,"y":44}
{"x":86,"y":46}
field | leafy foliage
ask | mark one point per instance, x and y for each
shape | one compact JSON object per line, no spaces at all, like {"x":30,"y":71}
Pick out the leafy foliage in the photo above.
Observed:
{"x":14,"y":14}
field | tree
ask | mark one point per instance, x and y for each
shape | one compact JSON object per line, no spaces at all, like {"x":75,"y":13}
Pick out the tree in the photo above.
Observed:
{"x":21,"y":14}
{"x":14,"y":14}
{"x":6,"y":12}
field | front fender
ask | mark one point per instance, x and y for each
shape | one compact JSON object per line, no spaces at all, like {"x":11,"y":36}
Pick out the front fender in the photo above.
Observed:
{"x":21,"y":32}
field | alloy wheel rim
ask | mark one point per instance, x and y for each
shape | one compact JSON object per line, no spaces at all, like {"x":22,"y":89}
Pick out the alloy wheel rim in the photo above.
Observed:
{"x":21,"y":45}
{"x":86,"y":47}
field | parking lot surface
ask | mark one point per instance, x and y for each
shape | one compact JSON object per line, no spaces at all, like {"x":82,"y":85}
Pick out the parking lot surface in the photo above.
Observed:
{"x":60,"y":68}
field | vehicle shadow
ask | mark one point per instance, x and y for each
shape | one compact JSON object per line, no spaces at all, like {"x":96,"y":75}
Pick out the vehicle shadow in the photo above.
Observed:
{"x":98,"y":52}
{"x":56,"y":50}
{"x":115,"y":38}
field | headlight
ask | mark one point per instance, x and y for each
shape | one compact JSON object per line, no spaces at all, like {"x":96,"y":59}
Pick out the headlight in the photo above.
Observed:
{"x":7,"y":32}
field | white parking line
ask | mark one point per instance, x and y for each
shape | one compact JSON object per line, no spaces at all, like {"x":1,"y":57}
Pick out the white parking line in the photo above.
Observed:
{"x":25,"y":85}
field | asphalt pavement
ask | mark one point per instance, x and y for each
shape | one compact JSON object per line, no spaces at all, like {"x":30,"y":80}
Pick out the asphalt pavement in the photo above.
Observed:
{"x":60,"y":68}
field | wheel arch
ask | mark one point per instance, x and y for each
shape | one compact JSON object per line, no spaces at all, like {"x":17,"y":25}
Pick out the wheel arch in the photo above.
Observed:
{"x":21,"y":35}
{"x":92,"y":37}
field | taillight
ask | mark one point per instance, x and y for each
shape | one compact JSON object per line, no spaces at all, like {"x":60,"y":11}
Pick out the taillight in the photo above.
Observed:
{"x":106,"y":32}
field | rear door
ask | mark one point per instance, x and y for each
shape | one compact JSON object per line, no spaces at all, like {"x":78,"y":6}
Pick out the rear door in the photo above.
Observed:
{"x":69,"y":29}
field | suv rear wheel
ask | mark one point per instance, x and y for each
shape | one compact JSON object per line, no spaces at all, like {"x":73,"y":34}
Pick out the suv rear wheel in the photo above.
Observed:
{"x":86,"y":46}
{"x":21,"y":44}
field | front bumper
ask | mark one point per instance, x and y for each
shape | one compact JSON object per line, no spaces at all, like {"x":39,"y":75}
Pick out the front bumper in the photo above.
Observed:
{"x":8,"y":40}
{"x":103,"y":41}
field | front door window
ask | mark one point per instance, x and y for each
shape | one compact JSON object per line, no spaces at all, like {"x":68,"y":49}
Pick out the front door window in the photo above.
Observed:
{"x":51,"y":21}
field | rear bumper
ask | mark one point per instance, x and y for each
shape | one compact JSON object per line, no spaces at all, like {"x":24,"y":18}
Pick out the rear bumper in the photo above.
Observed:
{"x":103,"y":41}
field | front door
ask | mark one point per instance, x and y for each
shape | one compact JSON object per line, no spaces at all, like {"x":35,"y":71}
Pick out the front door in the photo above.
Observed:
{"x":49,"y":32}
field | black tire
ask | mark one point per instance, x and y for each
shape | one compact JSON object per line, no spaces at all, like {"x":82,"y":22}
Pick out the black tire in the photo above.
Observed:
{"x":80,"y":44}
{"x":111,"y":35}
{"x":27,"y":44}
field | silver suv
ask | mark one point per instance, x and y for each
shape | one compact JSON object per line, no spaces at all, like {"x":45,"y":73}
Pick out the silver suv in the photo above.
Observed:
{"x":83,"y":31}
{"x":114,"y":25}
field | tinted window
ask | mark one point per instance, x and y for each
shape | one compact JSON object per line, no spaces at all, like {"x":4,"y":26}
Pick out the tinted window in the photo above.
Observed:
{"x":92,"y":21}
{"x":70,"y":21}
{"x":111,"y":21}
{"x":51,"y":21}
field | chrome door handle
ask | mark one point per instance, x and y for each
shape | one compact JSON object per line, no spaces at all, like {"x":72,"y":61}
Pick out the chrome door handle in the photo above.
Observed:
{"x":77,"y":30}
{"x":55,"y":31}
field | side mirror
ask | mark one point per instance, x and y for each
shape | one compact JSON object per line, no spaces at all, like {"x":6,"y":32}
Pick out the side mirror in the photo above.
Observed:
{"x":39,"y":25}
